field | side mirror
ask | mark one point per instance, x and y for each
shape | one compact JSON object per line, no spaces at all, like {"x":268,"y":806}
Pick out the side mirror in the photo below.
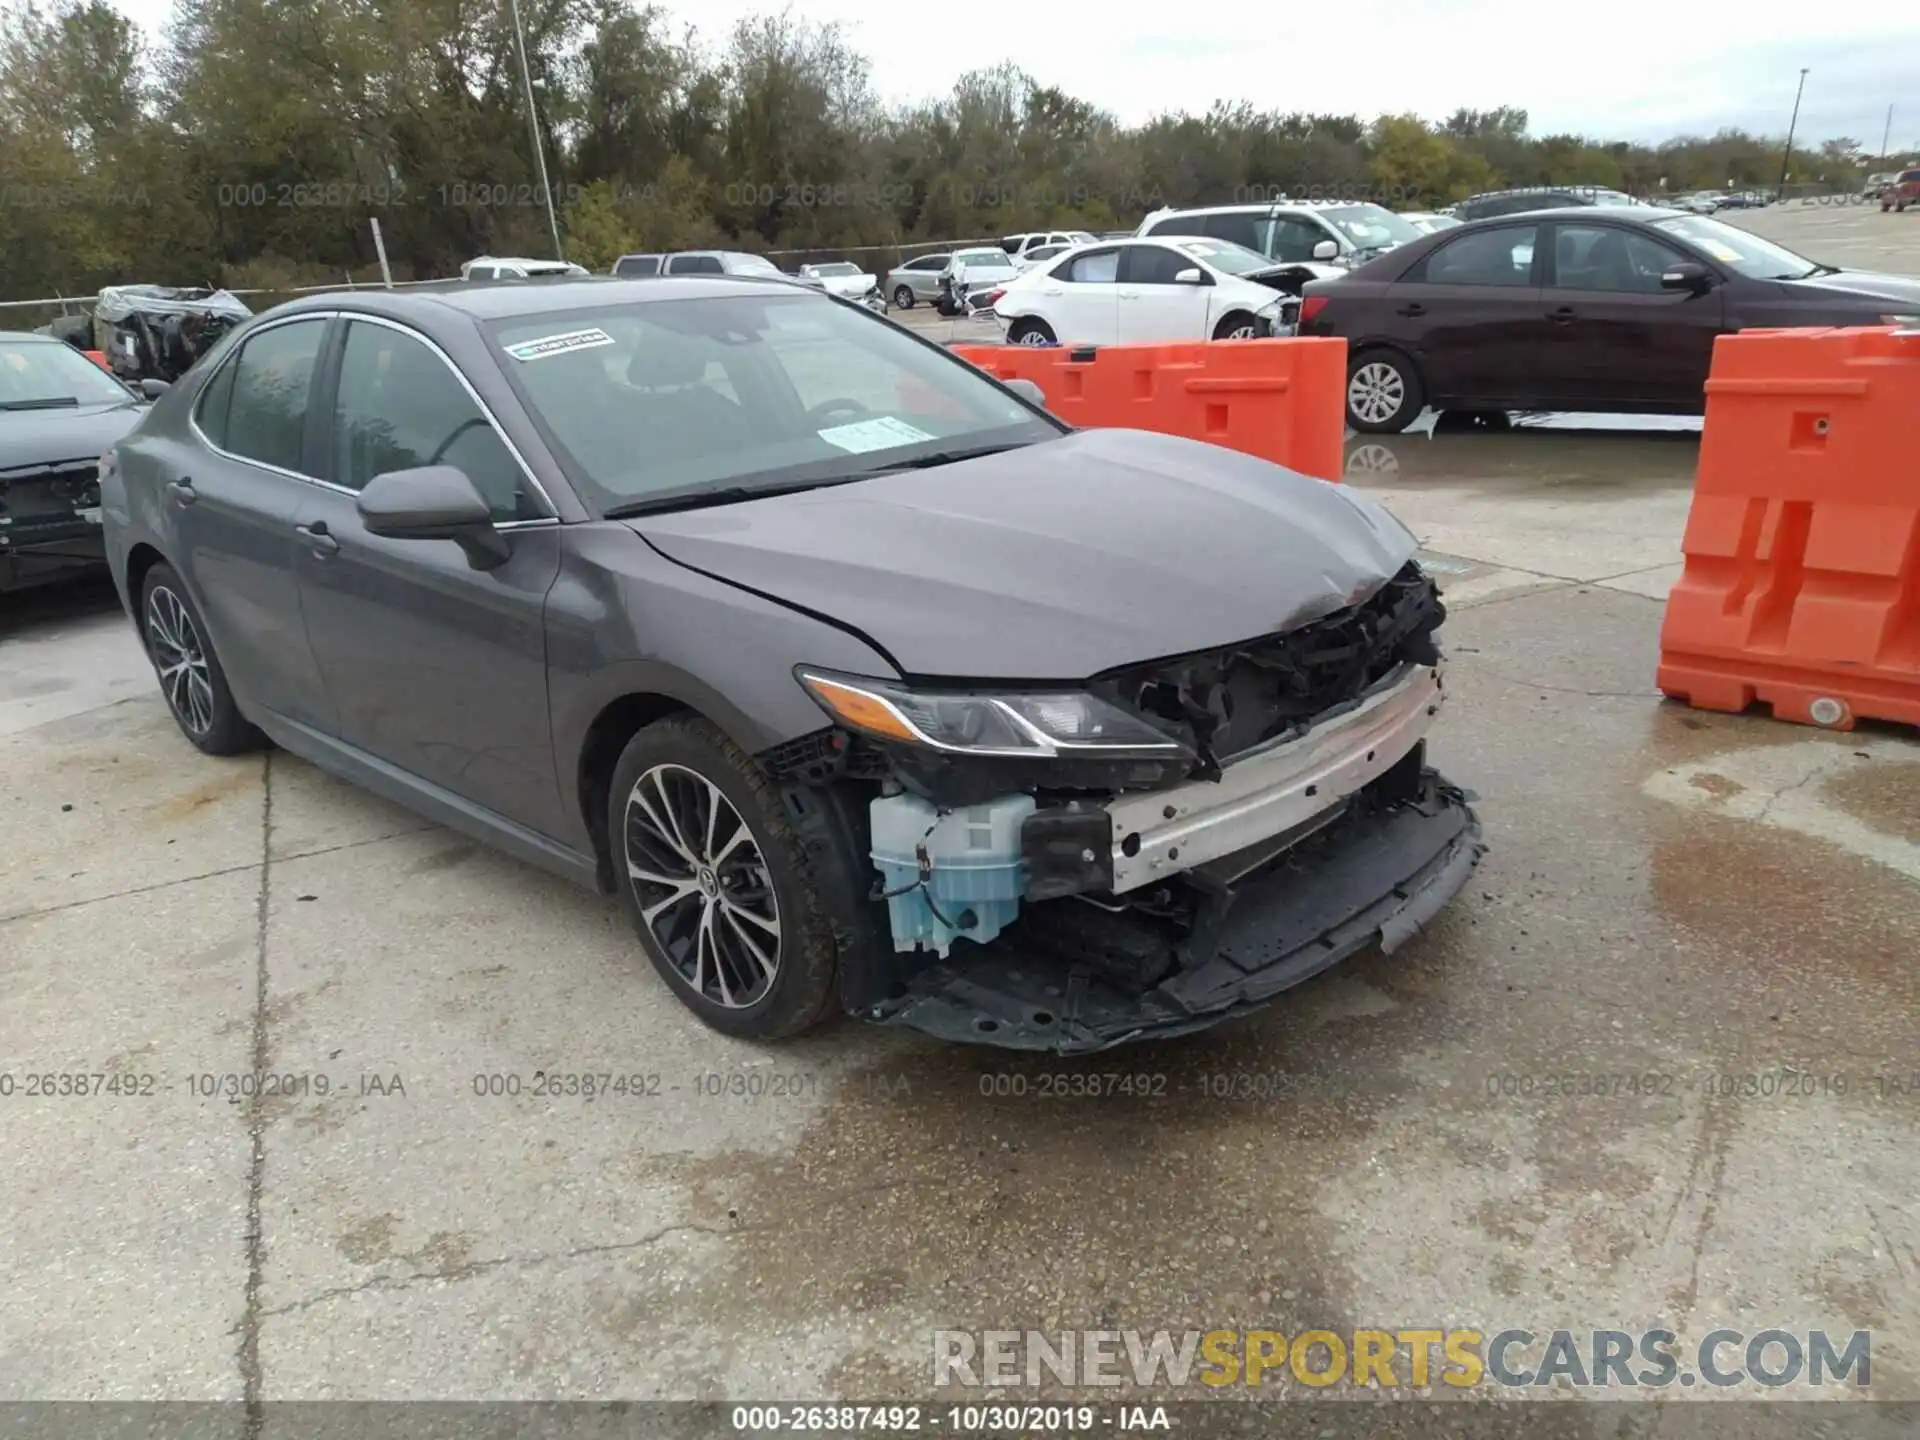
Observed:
{"x":1190,"y":276}
{"x":1027,"y":390}
{"x":1326,"y":250}
{"x":434,"y":502}
{"x":153,"y":389}
{"x":1687,"y":275}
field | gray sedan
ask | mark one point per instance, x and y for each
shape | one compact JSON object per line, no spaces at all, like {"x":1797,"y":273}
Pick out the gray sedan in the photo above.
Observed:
{"x":656,"y":586}
{"x":916,"y":281}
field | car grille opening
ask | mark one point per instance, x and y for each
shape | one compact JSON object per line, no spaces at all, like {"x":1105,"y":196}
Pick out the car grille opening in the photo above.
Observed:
{"x":1227,"y":701}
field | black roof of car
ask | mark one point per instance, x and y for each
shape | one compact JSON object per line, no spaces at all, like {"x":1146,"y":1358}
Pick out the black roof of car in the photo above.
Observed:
{"x":1589,"y":212}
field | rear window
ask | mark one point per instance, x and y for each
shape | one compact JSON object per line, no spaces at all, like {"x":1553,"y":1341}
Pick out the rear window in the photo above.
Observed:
{"x":637,"y":265}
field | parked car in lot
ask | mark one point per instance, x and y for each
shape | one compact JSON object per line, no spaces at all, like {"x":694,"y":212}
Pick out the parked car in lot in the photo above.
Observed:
{"x":1877,"y":184}
{"x":749,"y":607}
{"x":969,"y":276}
{"x":1146,"y":292}
{"x":59,"y":411}
{"x":1334,"y":234}
{"x":1902,"y":192}
{"x":1494,"y":203}
{"x":1600,"y":309}
{"x":916,"y":280}
{"x":1027,"y":259}
{"x":1021,"y":246}
{"x":516,"y":267}
{"x":695,"y":262}
{"x":847,"y":280}
{"x":1700,"y":202}
{"x":1429,"y":222}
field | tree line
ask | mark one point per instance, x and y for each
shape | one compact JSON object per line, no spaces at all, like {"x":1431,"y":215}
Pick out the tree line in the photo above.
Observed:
{"x":251,"y":144}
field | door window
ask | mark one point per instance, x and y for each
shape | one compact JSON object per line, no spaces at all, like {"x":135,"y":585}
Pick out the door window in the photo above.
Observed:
{"x":1501,"y":256}
{"x":480,"y":272}
{"x":1239,"y":226}
{"x":267,"y":406}
{"x":1601,"y":257}
{"x":1094,"y":267}
{"x":1294,"y":239}
{"x":927,"y":262}
{"x":401,"y":406}
{"x":1154,"y":265}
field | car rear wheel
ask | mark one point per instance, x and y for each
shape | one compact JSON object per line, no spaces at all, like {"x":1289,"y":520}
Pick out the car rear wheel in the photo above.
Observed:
{"x":1237,"y":326}
{"x":1383,"y":392}
{"x":1030,"y":332}
{"x":191,"y":680}
{"x":717,"y":884}
{"x":903,"y":297}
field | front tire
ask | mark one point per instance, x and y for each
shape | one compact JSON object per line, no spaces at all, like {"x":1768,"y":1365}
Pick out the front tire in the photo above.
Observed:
{"x":191,"y":680}
{"x":1028,"y":331}
{"x":1237,"y":326}
{"x":717,"y":885}
{"x":903,"y":297}
{"x":1383,"y":393}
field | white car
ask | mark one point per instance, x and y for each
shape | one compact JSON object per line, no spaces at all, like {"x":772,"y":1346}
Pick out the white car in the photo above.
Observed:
{"x":969,"y":276}
{"x":847,"y":280}
{"x":515,"y":267}
{"x":1429,"y":222}
{"x":1144,"y":292}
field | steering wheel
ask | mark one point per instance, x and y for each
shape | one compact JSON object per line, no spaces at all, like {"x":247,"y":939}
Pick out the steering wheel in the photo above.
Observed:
{"x":841,"y":405}
{"x":459,"y":430}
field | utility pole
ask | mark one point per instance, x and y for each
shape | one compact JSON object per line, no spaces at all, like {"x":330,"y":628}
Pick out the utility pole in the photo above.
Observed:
{"x":1786,"y":161}
{"x":1886,"y":135}
{"x":533,"y":125}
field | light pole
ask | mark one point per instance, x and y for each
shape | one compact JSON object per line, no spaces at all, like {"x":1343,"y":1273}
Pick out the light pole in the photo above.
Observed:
{"x":1886,"y":135}
{"x":533,"y":124}
{"x":1786,"y":160}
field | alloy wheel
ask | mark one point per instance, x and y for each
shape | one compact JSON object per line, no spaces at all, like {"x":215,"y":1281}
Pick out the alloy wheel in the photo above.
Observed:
{"x":181,"y":660}
{"x":1033,"y":337}
{"x":1243,"y":332}
{"x":703,"y":887}
{"x":1376,"y":392}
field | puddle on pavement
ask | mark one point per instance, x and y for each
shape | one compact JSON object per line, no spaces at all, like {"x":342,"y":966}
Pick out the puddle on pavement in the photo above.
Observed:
{"x":1884,"y":797}
{"x":1581,"y":453}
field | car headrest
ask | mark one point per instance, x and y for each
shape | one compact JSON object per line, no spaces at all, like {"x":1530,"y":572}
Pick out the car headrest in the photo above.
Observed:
{"x":656,"y":366}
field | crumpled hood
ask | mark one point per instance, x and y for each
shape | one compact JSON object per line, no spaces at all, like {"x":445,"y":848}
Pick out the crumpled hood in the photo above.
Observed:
{"x":851,"y":286}
{"x":1859,"y":284}
{"x":1056,"y":561}
{"x":30,"y":438}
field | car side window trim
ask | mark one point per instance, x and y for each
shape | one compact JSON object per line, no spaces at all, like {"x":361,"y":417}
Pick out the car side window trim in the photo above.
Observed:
{"x":552,"y":517}
{"x":326,"y":319}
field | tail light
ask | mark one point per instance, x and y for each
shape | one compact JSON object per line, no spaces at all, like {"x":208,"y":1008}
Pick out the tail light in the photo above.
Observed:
{"x":991,"y":297}
{"x":1311,"y":306}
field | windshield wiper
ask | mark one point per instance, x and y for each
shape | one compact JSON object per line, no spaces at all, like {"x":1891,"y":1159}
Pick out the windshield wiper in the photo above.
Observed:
{"x":699,"y":497}
{"x":1816,"y":270}
{"x":52,"y":402}
{"x":943,"y":457}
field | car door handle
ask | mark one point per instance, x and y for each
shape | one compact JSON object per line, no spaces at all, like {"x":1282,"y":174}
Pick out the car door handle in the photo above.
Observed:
{"x":1411,"y":310}
{"x":1565,"y":315}
{"x":318,"y":540}
{"x":182,"y":490}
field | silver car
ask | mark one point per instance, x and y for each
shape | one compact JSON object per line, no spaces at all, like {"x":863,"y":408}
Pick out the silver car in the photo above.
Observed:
{"x":915,"y":281}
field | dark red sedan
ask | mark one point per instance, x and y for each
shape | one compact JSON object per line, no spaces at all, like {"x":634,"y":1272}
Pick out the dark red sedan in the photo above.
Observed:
{"x":1599,"y":309}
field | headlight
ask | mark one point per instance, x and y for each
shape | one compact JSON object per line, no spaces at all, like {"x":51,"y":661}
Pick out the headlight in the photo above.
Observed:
{"x":1017,"y":723}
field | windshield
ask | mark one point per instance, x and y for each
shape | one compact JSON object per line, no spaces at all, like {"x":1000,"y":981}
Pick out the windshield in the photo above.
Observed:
{"x":1370,"y":227}
{"x":38,"y":375}
{"x":1751,"y":256}
{"x":837,"y":267}
{"x":1227,"y":256}
{"x":983,"y":260}
{"x":753,"y":265}
{"x":697,"y":396}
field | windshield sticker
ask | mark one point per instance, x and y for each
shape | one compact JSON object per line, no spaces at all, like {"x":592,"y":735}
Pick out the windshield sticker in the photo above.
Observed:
{"x":1720,"y":251}
{"x":886,"y":433}
{"x":559,"y":344}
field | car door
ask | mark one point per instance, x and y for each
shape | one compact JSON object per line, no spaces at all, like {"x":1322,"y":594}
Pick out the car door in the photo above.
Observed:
{"x":1470,"y":314}
{"x":1152,"y":307}
{"x":924,"y":276}
{"x":231,"y":503}
{"x":1076,"y":297}
{"x":1294,"y":238}
{"x":435,"y":666}
{"x":1616,"y":336}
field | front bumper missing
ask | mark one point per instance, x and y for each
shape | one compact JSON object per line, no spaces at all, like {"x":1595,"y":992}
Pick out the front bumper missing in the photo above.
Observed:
{"x":1273,"y":791}
{"x":1375,"y":876}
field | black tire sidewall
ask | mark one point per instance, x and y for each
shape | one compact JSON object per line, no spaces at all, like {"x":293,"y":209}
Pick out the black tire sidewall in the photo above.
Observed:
{"x":903,"y":297}
{"x":1026,"y":325}
{"x":1232,"y":322}
{"x":231,"y":732}
{"x":804,"y":991}
{"x":1413,"y":397}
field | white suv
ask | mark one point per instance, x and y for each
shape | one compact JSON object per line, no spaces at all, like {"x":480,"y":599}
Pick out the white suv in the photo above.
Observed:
{"x":1340,"y":234}
{"x":516,"y":267}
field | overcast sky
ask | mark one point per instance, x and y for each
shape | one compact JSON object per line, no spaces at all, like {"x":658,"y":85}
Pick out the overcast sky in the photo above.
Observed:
{"x":1622,"y":69}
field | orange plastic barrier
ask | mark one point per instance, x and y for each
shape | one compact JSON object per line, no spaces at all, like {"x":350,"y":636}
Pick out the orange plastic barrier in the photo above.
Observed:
{"x":99,"y":357}
{"x":1282,"y":400}
{"x":1802,"y":579}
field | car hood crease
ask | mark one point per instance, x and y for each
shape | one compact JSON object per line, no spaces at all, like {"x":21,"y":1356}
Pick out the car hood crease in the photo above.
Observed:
{"x":1056,"y":561}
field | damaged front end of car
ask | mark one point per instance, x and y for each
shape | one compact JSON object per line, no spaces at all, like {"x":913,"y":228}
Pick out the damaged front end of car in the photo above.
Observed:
{"x":1159,"y":848}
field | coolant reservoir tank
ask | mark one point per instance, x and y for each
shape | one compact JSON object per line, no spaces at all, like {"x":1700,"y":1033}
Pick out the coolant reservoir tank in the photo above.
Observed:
{"x":976,"y":878}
